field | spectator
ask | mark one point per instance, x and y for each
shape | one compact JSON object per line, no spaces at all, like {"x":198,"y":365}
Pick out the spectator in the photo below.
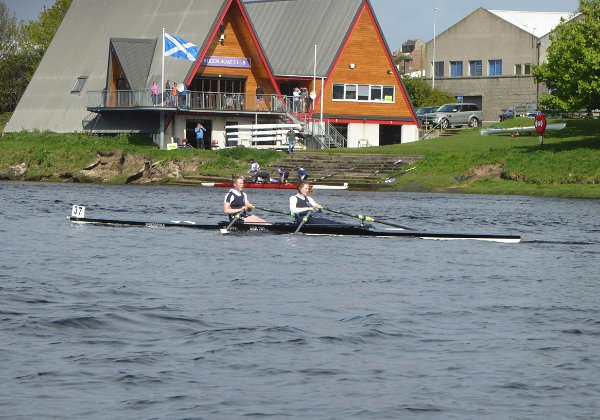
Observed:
{"x":302,"y":173}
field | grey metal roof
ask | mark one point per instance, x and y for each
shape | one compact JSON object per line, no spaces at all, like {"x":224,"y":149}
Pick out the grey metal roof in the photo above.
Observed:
{"x":81,"y":48}
{"x":135,"y":56}
{"x":288,"y":31}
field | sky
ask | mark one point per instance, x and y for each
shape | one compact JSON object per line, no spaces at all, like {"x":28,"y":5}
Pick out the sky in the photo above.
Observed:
{"x":399,"y":19}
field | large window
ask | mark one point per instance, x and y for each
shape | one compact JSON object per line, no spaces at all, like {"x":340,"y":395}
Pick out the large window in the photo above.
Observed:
{"x":475,"y":68}
{"x":495,"y":67}
{"x":438,"y":68}
{"x":456,"y":69}
{"x":363,"y":93}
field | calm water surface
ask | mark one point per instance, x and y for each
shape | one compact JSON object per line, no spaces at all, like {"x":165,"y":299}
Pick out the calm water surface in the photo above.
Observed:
{"x":130,"y":323}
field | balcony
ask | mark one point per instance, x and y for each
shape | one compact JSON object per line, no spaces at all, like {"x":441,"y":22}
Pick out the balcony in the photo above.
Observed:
{"x":128,"y":100}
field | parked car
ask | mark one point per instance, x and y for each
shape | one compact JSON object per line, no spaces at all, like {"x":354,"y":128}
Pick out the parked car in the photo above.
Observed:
{"x":455,"y":115}
{"x":420,"y":112}
{"x":519,"y":111}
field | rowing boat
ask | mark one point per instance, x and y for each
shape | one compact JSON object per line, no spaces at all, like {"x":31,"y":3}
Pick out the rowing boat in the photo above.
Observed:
{"x":308,"y":229}
{"x":275,"y":185}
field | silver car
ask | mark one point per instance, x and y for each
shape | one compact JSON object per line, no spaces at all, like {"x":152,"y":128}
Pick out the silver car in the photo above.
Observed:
{"x":455,"y":115}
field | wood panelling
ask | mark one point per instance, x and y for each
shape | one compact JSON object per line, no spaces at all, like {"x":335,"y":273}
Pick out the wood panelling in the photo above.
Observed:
{"x":238,"y":43}
{"x":368,"y":53}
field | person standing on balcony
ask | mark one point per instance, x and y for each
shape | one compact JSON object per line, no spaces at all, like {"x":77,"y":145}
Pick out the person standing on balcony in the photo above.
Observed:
{"x":200,"y":136}
{"x":154,"y":91}
{"x":175,"y":95}
{"x":296,"y":99}
{"x":182,"y":94}
{"x":259,"y":97}
{"x":167,"y":94}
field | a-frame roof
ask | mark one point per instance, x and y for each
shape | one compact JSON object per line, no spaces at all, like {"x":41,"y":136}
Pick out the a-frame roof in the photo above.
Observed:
{"x":81,"y":48}
{"x":288,"y":31}
{"x":135,"y":56}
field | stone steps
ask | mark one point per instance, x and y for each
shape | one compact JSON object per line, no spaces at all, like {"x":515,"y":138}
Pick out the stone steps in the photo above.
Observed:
{"x":351,"y":168}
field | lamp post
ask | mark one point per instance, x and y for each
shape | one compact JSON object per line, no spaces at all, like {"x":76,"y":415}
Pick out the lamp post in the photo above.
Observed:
{"x":433,"y":55}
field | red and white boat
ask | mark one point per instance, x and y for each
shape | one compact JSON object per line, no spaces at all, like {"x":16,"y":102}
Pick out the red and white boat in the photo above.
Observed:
{"x":276,"y":185}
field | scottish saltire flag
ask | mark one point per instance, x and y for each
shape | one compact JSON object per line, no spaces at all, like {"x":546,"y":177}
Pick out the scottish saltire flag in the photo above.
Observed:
{"x":180,"y":48}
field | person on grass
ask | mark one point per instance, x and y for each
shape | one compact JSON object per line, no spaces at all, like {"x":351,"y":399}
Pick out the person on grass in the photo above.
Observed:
{"x":236,"y":202}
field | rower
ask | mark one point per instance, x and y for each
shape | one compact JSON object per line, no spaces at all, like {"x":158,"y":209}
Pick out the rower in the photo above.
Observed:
{"x":302,"y":204}
{"x":236,"y":201}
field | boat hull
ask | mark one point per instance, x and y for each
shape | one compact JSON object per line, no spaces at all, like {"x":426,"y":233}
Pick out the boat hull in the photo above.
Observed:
{"x":275,"y":185}
{"x":308,"y":229}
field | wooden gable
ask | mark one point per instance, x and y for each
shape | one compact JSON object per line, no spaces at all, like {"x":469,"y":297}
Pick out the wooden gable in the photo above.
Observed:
{"x":234,"y":38}
{"x":364,"y":60}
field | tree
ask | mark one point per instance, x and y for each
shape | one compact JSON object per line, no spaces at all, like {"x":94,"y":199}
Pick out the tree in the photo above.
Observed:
{"x":421,"y":93}
{"x":8,"y":28}
{"x":572,"y":70}
{"x":23,"y":51}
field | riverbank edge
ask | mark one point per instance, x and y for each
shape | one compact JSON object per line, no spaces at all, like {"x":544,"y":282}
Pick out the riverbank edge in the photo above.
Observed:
{"x":468,"y":163}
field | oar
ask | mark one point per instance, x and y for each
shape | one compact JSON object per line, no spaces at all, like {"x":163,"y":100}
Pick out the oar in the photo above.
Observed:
{"x":392,"y":177}
{"x":235,"y":219}
{"x":333,"y":174}
{"x":367,"y":218}
{"x":304,"y":220}
{"x":271,"y":210}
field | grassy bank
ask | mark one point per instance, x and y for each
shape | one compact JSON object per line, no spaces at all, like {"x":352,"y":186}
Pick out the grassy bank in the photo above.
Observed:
{"x":567,"y":165}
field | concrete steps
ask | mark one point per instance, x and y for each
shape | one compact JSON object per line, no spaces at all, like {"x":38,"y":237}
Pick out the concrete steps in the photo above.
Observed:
{"x":351,"y":168}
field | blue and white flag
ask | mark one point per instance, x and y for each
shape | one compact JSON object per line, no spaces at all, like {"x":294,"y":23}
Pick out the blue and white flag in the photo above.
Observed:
{"x":180,"y":48}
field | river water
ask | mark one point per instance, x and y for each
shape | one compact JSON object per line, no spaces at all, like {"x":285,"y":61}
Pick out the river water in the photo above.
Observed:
{"x":104,"y":322}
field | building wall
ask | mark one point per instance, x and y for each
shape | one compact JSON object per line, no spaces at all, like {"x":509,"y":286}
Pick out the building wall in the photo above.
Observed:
{"x":369,"y":68}
{"x":238,"y":42}
{"x":484,"y":36}
{"x":497,"y":93}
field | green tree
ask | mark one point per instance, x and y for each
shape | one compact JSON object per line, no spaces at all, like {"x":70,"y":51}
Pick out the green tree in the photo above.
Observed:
{"x":421,"y":93}
{"x":8,"y":28}
{"x":23,"y":52}
{"x":572,"y":70}
{"x":8,"y":47}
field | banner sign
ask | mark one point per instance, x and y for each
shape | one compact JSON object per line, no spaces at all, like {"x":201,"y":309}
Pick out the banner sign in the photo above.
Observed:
{"x":237,"y":62}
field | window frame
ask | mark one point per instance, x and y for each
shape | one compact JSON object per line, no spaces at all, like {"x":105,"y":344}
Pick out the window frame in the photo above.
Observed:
{"x":476,"y":65}
{"x":495,"y":67}
{"x":79,"y":84}
{"x":438,"y":69}
{"x":376,"y":93}
{"x":454,"y":66}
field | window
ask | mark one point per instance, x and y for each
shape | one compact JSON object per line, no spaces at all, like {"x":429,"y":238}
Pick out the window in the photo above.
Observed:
{"x":456,"y":69}
{"x":366,"y":93}
{"x":495,"y":67}
{"x":475,"y":68}
{"x":376,"y":93}
{"x":79,"y":84}
{"x":350,"y":92}
{"x":338,"y":92}
{"x":363,"y":92}
{"x":521,"y":69}
{"x":438,"y":68}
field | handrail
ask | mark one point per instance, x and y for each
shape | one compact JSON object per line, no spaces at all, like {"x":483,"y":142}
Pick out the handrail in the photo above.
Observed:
{"x":187,"y":100}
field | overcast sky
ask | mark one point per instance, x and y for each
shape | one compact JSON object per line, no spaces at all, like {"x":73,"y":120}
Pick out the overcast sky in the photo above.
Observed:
{"x":399,"y":19}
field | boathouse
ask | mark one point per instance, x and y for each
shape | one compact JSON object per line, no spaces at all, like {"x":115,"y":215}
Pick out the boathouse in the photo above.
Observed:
{"x":323,"y":64}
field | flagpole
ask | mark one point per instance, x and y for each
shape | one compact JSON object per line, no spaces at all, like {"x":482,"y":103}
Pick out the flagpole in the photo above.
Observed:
{"x":162,"y":71}
{"x":162,"y":89}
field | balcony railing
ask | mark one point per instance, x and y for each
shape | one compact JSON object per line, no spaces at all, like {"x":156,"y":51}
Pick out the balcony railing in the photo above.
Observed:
{"x":127,"y":99}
